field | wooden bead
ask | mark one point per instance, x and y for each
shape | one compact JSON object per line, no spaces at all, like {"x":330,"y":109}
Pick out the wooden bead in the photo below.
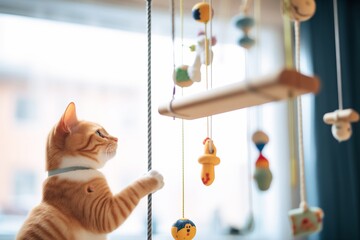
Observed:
{"x":299,"y":10}
{"x":346,"y":115}
{"x":341,"y":131}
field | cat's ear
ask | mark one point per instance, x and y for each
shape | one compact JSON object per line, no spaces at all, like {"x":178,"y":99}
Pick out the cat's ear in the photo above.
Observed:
{"x":68,"y":119}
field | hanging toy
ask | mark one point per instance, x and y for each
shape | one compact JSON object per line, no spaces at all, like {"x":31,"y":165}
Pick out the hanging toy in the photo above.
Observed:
{"x":183,"y":229}
{"x":245,"y":23}
{"x":263,"y":175}
{"x":340,"y":121}
{"x":341,"y":118}
{"x":299,"y":10}
{"x":201,"y":12}
{"x":209,"y":160}
{"x":185,"y":75}
{"x":306,"y":220}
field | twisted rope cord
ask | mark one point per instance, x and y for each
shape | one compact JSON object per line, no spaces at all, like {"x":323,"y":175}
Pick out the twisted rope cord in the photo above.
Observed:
{"x":303,"y":202}
{"x":337,"y":50}
{"x":149,"y":125}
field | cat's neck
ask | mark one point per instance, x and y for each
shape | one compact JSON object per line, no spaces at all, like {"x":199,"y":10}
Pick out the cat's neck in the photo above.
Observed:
{"x":66,"y":169}
{"x":81,"y":161}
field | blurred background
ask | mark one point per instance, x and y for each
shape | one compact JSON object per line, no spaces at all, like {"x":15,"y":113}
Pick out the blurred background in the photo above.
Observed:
{"x":94,"y":53}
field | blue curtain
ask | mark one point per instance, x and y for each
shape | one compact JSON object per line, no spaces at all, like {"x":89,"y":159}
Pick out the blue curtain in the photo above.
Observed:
{"x":338,"y":164}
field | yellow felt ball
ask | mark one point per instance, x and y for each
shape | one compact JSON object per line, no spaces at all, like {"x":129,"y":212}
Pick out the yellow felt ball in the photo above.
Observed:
{"x":201,"y":12}
{"x":183,"y":229}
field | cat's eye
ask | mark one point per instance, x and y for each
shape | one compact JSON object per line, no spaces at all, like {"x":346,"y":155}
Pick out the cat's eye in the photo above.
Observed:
{"x":99,"y":133}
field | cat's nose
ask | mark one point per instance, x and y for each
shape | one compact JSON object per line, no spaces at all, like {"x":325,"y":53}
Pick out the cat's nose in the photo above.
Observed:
{"x":115,"y":139}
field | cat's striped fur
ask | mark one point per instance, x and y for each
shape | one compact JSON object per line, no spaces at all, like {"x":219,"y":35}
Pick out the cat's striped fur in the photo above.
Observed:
{"x":79,"y":204}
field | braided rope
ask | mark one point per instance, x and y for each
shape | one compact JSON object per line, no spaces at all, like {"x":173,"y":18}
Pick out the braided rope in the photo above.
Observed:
{"x":149,"y":126}
{"x":338,"y":56}
{"x":300,"y":122}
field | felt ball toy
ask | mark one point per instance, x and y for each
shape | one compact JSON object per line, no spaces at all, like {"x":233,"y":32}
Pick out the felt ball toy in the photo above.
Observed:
{"x":262,"y":175}
{"x":246,"y":42}
{"x":244,"y":23}
{"x":299,"y":10}
{"x":260,"y":139}
{"x":306,"y":221}
{"x":201,"y":12}
{"x":208,"y":160}
{"x":181,"y":76}
{"x":340,"y":121}
{"x":183,"y":229}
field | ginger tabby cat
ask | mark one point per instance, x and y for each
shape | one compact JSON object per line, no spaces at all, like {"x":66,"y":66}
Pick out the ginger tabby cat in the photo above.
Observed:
{"x":77,"y":202}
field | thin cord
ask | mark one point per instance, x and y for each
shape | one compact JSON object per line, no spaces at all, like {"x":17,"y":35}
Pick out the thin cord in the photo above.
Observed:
{"x":149,"y":212}
{"x":207,"y":59}
{"x":300,"y":128}
{"x":337,"y":49}
{"x":249,"y":161}
{"x":183,"y":166}
{"x":173,"y":43}
{"x":182,"y":30}
{"x":182,"y":120}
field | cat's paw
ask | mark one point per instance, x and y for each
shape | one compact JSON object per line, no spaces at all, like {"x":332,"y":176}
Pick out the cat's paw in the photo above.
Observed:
{"x":158,"y":178}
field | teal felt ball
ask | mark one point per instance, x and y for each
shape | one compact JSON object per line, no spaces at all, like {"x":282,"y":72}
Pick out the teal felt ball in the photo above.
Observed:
{"x":244,"y":23}
{"x":246,"y":42}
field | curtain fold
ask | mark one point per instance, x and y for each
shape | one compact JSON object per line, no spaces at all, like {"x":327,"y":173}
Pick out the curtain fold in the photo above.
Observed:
{"x":338,"y":164}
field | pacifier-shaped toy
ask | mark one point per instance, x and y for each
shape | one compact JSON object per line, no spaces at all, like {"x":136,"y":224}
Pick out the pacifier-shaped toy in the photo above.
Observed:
{"x":262,"y":175}
{"x":340,"y":121}
{"x":183,"y":229}
{"x":209,"y":160}
{"x":306,"y":220}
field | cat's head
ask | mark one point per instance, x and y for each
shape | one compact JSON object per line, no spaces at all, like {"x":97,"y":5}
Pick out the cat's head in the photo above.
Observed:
{"x":78,"y":143}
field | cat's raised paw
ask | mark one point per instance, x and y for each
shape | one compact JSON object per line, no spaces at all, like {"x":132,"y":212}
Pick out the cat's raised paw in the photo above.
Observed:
{"x":158,"y":177}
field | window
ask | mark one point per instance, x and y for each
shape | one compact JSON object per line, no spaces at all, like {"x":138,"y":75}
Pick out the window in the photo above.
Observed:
{"x":104,"y":72}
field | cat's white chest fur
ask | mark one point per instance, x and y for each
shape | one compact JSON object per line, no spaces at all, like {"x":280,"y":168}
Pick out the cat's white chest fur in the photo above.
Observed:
{"x":83,"y":234}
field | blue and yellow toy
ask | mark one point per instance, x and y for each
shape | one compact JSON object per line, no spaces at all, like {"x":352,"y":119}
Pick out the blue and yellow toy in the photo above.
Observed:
{"x":183,"y":229}
{"x":201,"y":12}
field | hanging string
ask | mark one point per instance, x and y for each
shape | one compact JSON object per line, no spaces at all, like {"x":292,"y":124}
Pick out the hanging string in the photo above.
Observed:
{"x":149,"y":212}
{"x":183,"y":168}
{"x":173,"y":43}
{"x":289,"y":63}
{"x":337,"y":50}
{"x":182,"y":30}
{"x":300,"y":129}
{"x":208,"y":58}
{"x":249,"y":161}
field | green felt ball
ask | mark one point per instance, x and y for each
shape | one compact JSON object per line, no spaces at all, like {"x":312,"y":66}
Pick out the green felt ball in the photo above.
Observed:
{"x":263,"y":177}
